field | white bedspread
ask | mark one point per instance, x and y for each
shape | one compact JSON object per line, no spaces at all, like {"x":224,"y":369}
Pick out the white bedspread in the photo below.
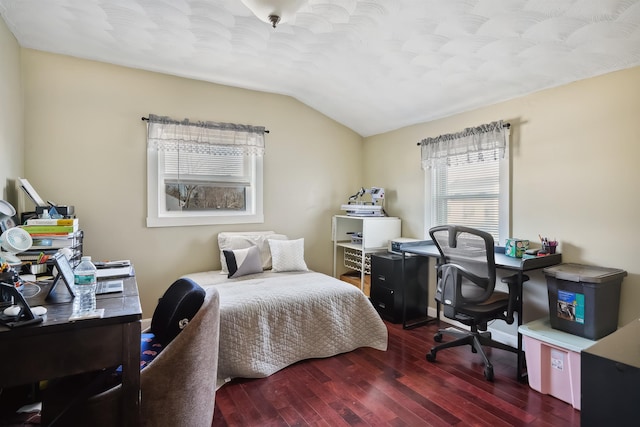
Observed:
{"x":271,"y":320}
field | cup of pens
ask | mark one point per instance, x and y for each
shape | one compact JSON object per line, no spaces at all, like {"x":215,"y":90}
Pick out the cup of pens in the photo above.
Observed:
{"x":549,"y":246}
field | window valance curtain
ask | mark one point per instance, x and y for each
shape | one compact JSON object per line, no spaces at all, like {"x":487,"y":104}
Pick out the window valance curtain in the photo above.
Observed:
{"x":470,"y":145}
{"x":166,"y":134}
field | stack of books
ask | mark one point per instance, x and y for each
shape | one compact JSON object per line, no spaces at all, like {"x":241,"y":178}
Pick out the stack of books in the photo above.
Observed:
{"x":50,"y":235}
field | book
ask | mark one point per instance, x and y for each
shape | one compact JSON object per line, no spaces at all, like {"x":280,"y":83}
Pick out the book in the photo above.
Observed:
{"x":50,"y":229}
{"x":51,"y":242}
{"x":52,"y":221}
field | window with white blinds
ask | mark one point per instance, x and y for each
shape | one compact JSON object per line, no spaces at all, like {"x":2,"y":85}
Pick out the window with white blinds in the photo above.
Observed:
{"x":467,"y":179}
{"x":467,"y":193}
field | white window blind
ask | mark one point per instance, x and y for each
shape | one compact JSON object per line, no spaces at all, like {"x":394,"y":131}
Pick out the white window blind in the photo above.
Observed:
{"x":467,"y":194}
{"x":196,"y":166}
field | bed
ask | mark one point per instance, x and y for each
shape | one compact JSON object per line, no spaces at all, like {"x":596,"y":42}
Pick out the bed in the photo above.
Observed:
{"x":272,"y":318}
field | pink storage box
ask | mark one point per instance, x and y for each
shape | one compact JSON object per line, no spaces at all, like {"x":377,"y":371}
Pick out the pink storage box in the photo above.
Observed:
{"x":553,"y":360}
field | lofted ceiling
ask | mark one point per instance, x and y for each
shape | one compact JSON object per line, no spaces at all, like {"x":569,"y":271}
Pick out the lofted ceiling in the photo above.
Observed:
{"x":372,"y":65}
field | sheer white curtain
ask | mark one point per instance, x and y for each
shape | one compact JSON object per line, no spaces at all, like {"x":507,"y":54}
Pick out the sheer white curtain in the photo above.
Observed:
{"x":166,"y":134}
{"x":471,"y":145}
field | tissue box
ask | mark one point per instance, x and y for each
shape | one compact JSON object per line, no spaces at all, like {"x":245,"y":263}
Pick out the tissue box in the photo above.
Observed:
{"x":516,"y":247}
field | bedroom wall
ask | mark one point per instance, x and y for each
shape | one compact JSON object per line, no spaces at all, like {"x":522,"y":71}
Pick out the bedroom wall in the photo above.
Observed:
{"x":574,"y":163}
{"x":86,"y":146}
{"x":11,"y":115}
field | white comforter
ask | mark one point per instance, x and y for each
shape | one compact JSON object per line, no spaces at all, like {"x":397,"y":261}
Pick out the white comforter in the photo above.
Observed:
{"x":270,"y":320}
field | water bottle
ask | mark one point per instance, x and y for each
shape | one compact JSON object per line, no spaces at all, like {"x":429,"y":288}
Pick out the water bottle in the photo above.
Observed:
{"x":84,"y":286}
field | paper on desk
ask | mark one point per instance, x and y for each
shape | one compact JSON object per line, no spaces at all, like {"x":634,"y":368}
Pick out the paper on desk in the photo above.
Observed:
{"x":95,"y":314}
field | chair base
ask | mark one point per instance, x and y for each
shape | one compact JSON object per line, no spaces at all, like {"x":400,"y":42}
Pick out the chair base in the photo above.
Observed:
{"x":473,"y":338}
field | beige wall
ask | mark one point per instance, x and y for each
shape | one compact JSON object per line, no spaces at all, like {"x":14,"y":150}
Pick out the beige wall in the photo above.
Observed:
{"x":575,"y":152}
{"x":11,"y":115}
{"x":85,"y":145}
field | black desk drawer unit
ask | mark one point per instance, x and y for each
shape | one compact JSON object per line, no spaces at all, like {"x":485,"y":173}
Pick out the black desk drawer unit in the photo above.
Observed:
{"x":386,"y":286}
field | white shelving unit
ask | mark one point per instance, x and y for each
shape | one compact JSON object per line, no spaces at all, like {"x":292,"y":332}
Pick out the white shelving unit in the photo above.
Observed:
{"x":376,"y":233}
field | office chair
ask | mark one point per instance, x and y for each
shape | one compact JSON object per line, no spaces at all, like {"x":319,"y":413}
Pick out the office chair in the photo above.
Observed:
{"x":465,"y":290}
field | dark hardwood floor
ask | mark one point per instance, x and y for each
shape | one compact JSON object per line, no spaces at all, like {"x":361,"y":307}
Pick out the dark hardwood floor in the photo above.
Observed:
{"x":398,"y":387}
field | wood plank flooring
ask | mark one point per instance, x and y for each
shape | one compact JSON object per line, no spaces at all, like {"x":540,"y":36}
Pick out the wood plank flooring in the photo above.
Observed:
{"x":398,"y":387}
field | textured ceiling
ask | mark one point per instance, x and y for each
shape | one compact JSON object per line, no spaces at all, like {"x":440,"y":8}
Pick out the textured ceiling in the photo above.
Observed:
{"x":373,"y":65}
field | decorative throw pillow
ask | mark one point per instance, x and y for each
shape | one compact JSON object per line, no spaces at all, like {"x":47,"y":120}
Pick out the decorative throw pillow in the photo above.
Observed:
{"x":180,"y":302}
{"x":241,"y":262}
{"x":287,"y":255}
{"x":228,"y":240}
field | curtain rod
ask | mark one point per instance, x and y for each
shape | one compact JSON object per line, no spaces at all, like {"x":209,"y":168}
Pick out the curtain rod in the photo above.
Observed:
{"x":504,"y":125}
{"x":146,"y":119}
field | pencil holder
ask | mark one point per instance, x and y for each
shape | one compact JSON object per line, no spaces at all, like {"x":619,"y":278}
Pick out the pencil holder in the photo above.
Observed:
{"x":550,"y":246}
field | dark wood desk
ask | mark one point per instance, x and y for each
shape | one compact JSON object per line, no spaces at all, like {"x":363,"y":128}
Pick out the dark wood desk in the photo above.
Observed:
{"x":518,"y":265}
{"x":57,"y":348}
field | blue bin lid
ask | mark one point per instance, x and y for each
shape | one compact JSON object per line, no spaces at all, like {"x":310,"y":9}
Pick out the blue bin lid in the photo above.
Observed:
{"x":584,"y":273}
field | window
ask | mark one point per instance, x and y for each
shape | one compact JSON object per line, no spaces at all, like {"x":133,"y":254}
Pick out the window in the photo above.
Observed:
{"x":469,"y":185}
{"x":203,"y":173}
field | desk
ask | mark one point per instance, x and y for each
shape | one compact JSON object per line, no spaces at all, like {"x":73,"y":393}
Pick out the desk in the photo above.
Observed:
{"x":429,"y":249}
{"x":57,"y":348}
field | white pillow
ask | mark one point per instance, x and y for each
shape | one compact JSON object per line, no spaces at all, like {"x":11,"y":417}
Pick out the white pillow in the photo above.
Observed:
{"x":245,"y":239}
{"x":287,"y":255}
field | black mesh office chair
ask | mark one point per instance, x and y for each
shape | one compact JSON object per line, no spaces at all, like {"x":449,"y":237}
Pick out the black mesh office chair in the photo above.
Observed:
{"x":466,"y":273}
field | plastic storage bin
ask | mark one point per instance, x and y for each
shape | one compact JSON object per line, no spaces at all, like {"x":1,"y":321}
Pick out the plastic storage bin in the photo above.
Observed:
{"x":584,"y":300}
{"x":553,"y":360}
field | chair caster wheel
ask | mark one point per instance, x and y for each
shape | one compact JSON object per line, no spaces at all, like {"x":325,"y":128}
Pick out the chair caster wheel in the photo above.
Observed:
{"x":437,"y":337}
{"x":488,"y":373}
{"x":431,"y":356}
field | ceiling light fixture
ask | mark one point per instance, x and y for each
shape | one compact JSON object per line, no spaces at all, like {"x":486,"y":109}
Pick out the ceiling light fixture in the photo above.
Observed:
{"x":274,"y":11}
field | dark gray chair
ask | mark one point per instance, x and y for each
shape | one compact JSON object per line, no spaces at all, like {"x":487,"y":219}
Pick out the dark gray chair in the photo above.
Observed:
{"x":465,"y":290}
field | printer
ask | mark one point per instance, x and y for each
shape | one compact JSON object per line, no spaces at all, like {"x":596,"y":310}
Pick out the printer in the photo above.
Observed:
{"x":394,"y":244}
